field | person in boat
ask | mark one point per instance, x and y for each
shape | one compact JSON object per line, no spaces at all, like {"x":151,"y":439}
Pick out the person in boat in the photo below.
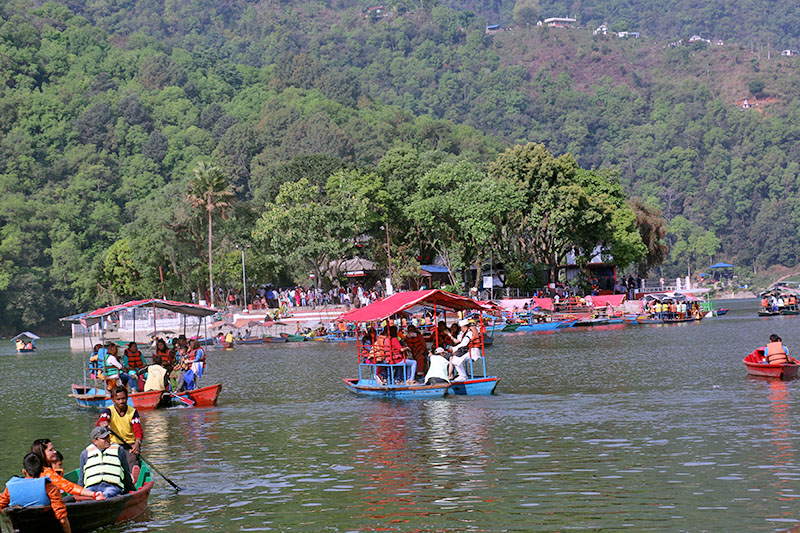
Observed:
{"x":104,"y":465}
{"x":52,"y":468}
{"x":775,"y":353}
{"x":388,"y":350}
{"x":163,"y":355}
{"x":113,"y":369}
{"x":193,"y":365}
{"x":96,"y":363}
{"x":416,"y":343}
{"x":124,"y":421}
{"x":33,"y":490}
{"x":29,"y":346}
{"x":132,"y":360}
{"x":228,"y":339}
{"x":181,"y":365}
{"x":368,"y":340}
{"x":438,"y":367}
{"x":443,"y":337}
{"x":468,"y":346}
{"x":157,"y":378}
{"x":20,"y":344}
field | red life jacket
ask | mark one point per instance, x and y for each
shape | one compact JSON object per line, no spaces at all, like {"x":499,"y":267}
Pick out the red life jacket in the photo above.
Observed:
{"x":776,"y":354}
{"x":416,"y":343}
{"x":391,"y":355}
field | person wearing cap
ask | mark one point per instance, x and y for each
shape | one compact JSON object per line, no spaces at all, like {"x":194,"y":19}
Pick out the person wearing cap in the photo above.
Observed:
{"x":468,"y":345}
{"x":438,"y":367}
{"x":104,"y":467}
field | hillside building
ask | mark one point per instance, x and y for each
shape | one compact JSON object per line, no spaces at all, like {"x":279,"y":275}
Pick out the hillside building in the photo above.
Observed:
{"x":556,"y":22}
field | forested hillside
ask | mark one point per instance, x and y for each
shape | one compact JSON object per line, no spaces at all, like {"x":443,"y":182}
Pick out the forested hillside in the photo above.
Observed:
{"x":106,"y":108}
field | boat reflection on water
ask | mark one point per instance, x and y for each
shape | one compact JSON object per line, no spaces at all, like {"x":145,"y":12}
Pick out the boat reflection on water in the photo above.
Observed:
{"x":781,"y":441}
{"x":411,"y":454}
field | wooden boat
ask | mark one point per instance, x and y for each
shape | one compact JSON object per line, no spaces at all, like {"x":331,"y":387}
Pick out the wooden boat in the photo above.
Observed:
{"x":294,"y":338}
{"x":84,"y":515}
{"x":769,"y":313}
{"x":276,"y":339}
{"x":589,"y":322}
{"x":367,"y":387}
{"x":789,"y":312}
{"x":145,"y":401}
{"x":31,"y":338}
{"x":367,"y":383}
{"x":542,"y":326}
{"x":251,"y":340}
{"x":755,"y":367}
{"x":722,"y":311}
{"x":510,"y":327}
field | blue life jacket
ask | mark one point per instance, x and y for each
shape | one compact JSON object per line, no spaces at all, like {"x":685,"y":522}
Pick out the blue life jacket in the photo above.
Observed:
{"x":27,"y":492}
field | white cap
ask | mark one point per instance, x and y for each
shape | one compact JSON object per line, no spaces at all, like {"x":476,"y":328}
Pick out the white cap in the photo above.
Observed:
{"x":463,"y":322}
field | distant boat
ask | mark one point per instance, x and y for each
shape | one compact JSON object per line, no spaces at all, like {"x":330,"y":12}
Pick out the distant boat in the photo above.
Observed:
{"x":26,"y":347}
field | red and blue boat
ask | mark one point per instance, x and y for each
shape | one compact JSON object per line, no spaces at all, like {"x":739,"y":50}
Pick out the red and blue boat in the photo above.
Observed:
{"x":402,"y":304}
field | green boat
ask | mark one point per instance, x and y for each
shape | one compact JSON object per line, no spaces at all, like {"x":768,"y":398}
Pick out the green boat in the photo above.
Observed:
{"x":510,"y":327}
{"x":294,"y":338}
{"x":84,"y":515}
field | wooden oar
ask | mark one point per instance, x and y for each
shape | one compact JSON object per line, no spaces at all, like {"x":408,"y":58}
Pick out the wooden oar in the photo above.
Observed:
{"x":151,"y":465}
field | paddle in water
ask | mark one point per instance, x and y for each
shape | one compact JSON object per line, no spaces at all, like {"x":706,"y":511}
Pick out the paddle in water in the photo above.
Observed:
{"x":151,"y":465}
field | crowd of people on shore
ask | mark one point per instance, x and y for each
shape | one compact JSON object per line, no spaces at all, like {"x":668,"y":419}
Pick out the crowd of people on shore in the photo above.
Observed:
{"x":285,"y":299}
{"x":109,"y":466}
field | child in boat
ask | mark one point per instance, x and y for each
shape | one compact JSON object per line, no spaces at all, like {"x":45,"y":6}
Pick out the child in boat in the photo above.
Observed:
{"x":32,"y":491}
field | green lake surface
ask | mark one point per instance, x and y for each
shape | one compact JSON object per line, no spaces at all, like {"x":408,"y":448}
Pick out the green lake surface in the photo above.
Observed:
{"x":618,"y":427}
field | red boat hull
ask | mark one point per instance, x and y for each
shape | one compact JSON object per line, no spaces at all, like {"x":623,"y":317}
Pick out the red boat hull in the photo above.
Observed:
{"x":204,"y":396}
{"x":147,"y":401}
{"x":755,"y":367}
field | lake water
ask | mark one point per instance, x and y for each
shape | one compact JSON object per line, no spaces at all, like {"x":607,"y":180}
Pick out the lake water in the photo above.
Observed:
{"x":638,"y":427}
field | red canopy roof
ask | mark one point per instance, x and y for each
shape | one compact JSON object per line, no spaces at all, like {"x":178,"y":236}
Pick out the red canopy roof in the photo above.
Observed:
{"x":93,"y":317}
{"x":614,"y":299}
{"x":401,"y":301}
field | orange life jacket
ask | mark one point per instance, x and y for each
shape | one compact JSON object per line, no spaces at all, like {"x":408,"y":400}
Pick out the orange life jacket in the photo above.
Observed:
{"x":416,"y":343}
{"x":475,"y":341}
{"x":166,"y":357}
{"x":776,"y":354}
{"x":764,"y":302}
{"x":134,"y":359}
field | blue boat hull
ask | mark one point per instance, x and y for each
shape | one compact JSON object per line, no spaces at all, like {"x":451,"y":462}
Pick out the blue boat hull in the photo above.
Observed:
{"x":94,"y":398}
{"x":542,"y":326}
{"x":475,"y":387}
{"x":375,"y":390}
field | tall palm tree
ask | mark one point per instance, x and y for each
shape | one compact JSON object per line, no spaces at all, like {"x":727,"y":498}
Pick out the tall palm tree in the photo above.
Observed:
{"x":210,"y":189}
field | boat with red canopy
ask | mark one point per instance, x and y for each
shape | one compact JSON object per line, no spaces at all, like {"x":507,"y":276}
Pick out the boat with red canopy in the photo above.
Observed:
{"x":97,"y":397}
{"x":755,"y":366}
{"x":403,"y":304}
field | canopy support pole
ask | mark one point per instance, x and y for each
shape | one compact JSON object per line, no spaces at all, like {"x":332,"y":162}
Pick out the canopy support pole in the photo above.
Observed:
{"x":154,"y":320}
{"x":134,"y":324}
